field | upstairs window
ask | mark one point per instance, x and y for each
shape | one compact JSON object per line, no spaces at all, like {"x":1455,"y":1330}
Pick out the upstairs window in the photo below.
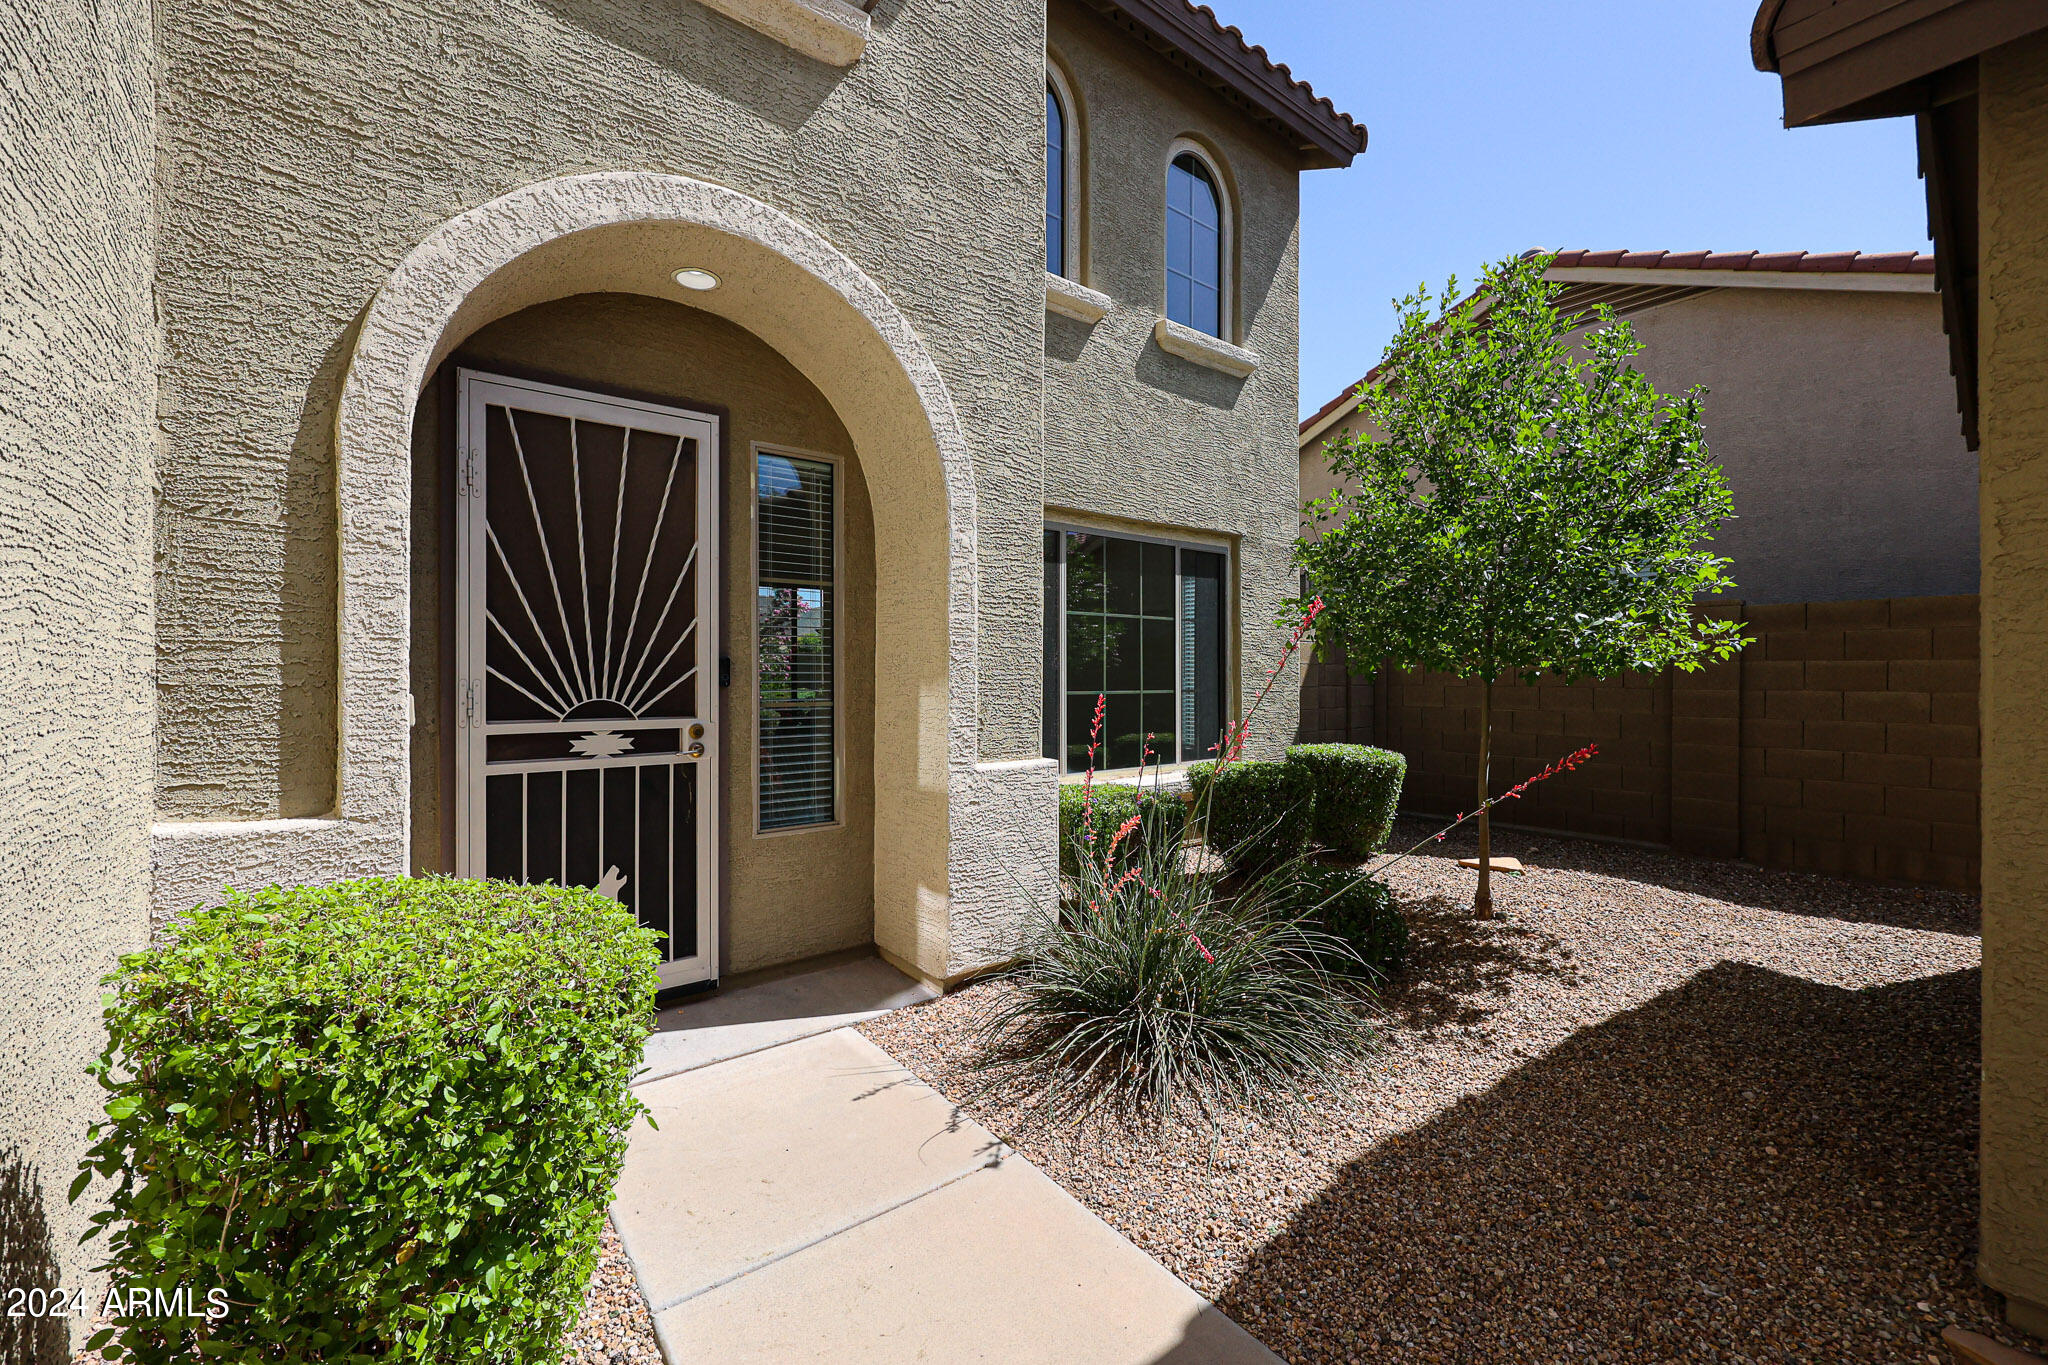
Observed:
{"x":1194,"y":246}
{"x":1144,"y":625}
{"x":1055,"y":183}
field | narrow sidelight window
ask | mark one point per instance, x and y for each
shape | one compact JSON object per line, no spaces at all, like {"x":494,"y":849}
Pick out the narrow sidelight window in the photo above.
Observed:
{"x":1194,"y":246}
{"x":1144,"y":625}
{"x":795,"y":603}
{"x":1055,"y":183}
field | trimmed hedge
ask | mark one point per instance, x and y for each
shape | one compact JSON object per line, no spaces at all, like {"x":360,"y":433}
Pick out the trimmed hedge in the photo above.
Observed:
{"x":1114,"y":803}
{"x":1357,"y":909}
{"x":385,"y":1115}
{"x":1357,"y":789}
{"x":1259,"y":815}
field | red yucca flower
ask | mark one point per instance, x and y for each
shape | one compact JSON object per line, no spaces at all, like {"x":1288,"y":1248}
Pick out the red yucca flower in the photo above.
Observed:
{"x":1230,"y":749}
{"x":1562,"y":765}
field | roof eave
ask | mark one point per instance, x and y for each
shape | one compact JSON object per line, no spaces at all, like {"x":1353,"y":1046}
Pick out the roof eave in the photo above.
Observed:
{"x":1323,"y":137}
{"x":1864,"y":59}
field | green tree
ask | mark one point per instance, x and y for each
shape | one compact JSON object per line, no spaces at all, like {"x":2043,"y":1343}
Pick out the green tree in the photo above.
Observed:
{"x":1528,"y":502}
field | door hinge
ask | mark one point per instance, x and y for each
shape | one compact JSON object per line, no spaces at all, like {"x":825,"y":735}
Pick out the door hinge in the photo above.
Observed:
{"x":472,"y":696}
{"x":472,"y":471}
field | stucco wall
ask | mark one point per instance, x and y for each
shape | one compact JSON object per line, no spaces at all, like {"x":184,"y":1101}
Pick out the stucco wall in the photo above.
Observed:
{"x":788,"y":895}
{"x":1153,"y":441}
{"x":295,"y":176}
{"x":2013,"y":389}
{"x":1834,"y":417}
{"x":77,"y":342}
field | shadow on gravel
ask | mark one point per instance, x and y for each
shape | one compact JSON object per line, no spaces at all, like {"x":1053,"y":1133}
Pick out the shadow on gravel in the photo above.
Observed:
{"x":1750,"y":1167}
{"x":1737,"y":883}
{"x":1461,"y":969}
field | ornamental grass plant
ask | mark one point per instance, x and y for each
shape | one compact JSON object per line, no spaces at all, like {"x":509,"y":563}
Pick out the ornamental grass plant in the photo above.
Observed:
{"x":1162,"y":991}
{"x":385,"y":1116}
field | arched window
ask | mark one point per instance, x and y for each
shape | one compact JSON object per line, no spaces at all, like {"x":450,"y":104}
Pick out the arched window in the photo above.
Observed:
{"x":1194,"y":245}
{"x":1055,"y":183}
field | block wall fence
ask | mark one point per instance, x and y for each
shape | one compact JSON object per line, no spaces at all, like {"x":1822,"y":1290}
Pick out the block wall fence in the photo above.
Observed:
{"x":1843,"y":741}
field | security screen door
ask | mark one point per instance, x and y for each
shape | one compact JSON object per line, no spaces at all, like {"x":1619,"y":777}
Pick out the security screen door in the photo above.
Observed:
{"x":586,"y":553}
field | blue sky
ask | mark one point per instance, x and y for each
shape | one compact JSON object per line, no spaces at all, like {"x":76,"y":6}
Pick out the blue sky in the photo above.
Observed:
{"x":1499,"y":125}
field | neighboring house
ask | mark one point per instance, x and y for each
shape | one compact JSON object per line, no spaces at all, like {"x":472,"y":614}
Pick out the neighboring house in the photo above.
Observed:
{"x":1844,"y":739}
{"x":1828,"y":407}
{"x":1974,"y":76}
{"x":707,"y":451}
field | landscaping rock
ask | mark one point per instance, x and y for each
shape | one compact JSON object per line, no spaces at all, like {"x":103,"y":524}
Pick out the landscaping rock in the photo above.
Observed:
{"x":1666,"y":1109}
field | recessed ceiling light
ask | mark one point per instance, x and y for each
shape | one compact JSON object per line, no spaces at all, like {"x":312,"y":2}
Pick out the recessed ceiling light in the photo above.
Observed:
{"x":693,"y":278}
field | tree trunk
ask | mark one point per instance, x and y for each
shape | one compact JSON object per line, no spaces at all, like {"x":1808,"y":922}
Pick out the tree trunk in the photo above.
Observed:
{"x":1482,"y":903}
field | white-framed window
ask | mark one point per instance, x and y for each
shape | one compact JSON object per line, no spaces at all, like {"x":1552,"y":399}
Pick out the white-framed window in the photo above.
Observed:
{"x":1198,"y":241}
{"x":1063,"y":154}
{"x":796,"y":638}
{"x":1143,"y":623}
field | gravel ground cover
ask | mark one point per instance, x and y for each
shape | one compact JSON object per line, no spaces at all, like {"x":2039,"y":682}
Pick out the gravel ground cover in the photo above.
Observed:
{"x":615,"y":1327}
{"x":1664,"y":1109}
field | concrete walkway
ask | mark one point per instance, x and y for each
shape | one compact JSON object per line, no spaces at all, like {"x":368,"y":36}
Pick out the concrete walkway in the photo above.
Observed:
{"x":812,"y":1200}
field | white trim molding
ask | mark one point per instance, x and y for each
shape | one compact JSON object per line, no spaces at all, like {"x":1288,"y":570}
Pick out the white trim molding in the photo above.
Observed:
{"x":829,"y":31}
{"x":1203,"y":349}
{"x":1077,"y":301}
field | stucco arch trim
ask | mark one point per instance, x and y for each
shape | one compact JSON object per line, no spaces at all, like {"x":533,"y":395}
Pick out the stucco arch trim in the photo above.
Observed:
{"x":456,"y":280}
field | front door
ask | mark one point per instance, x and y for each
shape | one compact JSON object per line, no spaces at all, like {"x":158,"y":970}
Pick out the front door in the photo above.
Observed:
{"x":587,"y":628}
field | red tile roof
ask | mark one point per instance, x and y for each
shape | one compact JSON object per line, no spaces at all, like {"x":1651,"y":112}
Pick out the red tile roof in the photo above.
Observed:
{"x":1280,"y":70}
{"x":1789,"y":262}
{"x":1220,"y":53}
{"x":1823,"y":262}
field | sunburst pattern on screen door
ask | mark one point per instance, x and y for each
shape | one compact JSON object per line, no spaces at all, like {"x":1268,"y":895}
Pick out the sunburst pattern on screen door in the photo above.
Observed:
{"x":586,"y":604}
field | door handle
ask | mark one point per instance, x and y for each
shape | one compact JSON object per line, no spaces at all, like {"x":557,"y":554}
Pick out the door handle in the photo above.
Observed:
{"x":696,"y":750}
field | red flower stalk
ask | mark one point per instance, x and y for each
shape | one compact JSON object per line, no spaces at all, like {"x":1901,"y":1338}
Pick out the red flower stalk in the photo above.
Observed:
{"x":1118,"y":838}
{"x":1563,"y":765}
{"x":1230,"y":749}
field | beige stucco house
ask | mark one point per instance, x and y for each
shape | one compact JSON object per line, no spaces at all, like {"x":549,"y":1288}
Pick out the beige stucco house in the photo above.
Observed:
{"x":1843,"y":740}
{"x":704,"y":450}
{"x":1973,"y":74}
{"x":1828,"y":407}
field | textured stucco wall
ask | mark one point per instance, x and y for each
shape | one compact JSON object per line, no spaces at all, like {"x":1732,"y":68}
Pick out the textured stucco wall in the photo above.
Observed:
{"x":77,"y":395}
{"x":2013,"y":388}
{"x":1834,"y":417}
{"x":297,"y":174}
{"x":1145,"y":438}
{"x":789,"y":895}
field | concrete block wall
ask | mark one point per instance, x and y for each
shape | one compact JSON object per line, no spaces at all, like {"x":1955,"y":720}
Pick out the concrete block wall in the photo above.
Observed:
{"x":1335,"y":702}
{"x":1844,"y":741}
{"x":1859,"y":739}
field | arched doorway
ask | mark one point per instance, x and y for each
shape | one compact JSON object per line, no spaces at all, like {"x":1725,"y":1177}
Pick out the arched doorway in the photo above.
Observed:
{"x":965,"y":845}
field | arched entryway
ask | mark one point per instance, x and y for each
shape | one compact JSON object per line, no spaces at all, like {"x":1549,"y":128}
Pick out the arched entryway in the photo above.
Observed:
{"x":960,"y":847}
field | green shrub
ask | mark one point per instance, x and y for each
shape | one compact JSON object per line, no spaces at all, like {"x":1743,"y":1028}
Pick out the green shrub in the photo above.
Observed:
{"x":1257,"y":814}
{"x":1165,"y":813}
{"x":1358,"y":911}
{"x":384,"y":1115}
{"x":1357,"y":788}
